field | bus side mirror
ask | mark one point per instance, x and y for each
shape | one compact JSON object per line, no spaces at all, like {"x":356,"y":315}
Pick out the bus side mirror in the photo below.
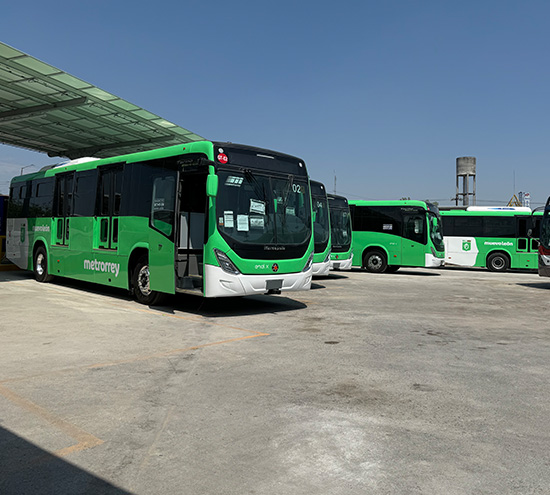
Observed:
{"x":529,"y":232}
{"x":211,"y":185}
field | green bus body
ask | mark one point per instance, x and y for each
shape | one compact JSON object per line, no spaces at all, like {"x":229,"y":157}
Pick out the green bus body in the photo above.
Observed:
{"x":321,"y":229}
{"x":217,"y":219}
{"x":341,"y":254}
{"x":391,"y":234}
{"x":493,"y":237}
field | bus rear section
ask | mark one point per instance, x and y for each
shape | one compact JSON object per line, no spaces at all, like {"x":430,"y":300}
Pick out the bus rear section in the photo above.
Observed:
{"x":390,"y":234}
{"x":341,"y":254}
{"x":496,"y":238}
{"x":321,"y":229}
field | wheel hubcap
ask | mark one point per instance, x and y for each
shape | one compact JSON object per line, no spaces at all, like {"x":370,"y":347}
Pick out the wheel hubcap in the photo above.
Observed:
{"x":40,"y":264}
{"x":143,"y":281}
{"x":498,"y":263}
{"x":374,"y":262}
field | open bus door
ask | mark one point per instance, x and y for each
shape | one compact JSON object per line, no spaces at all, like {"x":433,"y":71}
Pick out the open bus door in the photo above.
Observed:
{"x":191,"y":225}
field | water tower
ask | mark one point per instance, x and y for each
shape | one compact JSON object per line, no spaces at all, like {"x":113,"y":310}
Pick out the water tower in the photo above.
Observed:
{"x":466,"y":168}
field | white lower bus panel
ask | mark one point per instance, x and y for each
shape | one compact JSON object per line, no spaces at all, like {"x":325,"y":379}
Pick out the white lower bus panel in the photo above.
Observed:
{"x":341,"y":264}
{"x":219,"y":283}
{"x":433,"y":262}
{"x":321,"y":269}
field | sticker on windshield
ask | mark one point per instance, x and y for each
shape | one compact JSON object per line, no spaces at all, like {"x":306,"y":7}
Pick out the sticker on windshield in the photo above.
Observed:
{"x":242,"y":223}
{"x":256,"y":222}
{"x":257,"y":206}
{"x":387,"y":226}
{"x":290,"y":210}
{"x":228,"y":219}
{"x":234,"y":181}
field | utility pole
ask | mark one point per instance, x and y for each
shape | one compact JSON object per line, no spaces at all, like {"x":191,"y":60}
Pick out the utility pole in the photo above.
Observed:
{"x":27,"y":166}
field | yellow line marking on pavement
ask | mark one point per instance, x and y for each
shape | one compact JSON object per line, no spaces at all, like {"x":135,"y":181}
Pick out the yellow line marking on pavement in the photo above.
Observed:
{"x":85,"y":440}
{"x":171,"y":352}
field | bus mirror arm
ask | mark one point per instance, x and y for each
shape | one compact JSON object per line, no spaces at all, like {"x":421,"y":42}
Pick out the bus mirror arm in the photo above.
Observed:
{"x":212,"y":185}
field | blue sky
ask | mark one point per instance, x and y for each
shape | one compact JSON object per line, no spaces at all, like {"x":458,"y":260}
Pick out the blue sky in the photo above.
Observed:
{"x":385,"y":95}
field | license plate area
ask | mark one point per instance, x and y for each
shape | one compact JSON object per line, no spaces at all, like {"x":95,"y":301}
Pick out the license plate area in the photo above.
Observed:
{"x":274,"y":284}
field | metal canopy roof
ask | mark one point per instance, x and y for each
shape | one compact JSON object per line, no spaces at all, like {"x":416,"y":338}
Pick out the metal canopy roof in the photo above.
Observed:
{"x":45,"y":109}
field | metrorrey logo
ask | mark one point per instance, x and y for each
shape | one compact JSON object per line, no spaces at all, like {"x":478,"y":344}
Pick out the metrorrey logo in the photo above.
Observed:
{"x":466,"y":245}
{"x":102,"y":266}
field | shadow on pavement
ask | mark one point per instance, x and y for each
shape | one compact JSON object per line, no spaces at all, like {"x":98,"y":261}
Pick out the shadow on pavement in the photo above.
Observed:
{"x":26,"y":468}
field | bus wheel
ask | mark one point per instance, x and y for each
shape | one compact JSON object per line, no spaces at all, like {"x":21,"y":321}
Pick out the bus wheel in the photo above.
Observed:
{"x":40,"y":266}
{"x":140,"y":284}
{"x":392,"y":268}
{"x":375,"y":262}
{"x":498,"y":262}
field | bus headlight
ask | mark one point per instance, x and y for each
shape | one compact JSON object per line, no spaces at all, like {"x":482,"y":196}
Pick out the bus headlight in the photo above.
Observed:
{"x":309,"y":263}
{"x":225,"y":263}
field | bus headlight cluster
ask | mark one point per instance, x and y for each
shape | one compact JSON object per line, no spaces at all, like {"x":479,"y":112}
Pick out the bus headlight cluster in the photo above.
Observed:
{"x":225,"y":263}
{"x":309,"y":263}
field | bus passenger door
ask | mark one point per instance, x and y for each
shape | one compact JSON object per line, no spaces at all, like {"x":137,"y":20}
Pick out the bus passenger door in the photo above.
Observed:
{"x":62,"y":209}
{"x":106,"y":224}
{"x":527,"y":247}
{"x":192,"y":228}
{"x":414,"y":240}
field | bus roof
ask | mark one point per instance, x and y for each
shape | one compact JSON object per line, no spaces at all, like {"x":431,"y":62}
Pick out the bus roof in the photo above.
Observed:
{"x":396,"y":202}
{"x":492,"y":213}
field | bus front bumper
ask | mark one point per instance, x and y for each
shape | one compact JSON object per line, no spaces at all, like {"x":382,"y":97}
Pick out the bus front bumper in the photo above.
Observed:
{"x":433,"y":262}
{"x":222,"y":284}
{"x":341,"y":264}
{"x":321,"y":269}
{"x":544,"y":266}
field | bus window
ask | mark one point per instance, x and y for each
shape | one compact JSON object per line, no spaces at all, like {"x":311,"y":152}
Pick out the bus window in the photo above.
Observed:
{"x":162,"y":206}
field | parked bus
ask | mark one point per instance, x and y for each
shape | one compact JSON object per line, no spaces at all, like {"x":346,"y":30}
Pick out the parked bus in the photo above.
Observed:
{"x":215,"y":219}
{"x":544,"y":247}
{"x":3,"y":218}
{"x":341,"y":253}
{"x":321,"y":229}
{"x":493,"y":237}
{"x":391,"y":234}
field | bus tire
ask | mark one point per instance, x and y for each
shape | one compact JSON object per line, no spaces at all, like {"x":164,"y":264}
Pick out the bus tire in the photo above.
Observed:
{"x":375,"y":261}
{"x":140,"y":284}
{"x":498,"y":262}
{"x":40,"y":265}
{"x":392,"y":268}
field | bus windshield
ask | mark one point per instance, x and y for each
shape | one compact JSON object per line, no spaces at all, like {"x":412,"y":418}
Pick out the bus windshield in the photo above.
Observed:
{"x":545,"y":229}
{"x":436,"y":233}
{"x":340,"y":227}
{"x":263,"y":212}
{"x":321,"y":224}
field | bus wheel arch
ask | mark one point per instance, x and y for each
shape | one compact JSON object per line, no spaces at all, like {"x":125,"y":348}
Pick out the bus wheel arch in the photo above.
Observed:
{"x":138,"y":271}
{"x":40,"y":263}
{"x":498,"y":261}
{"x":375,"y":260}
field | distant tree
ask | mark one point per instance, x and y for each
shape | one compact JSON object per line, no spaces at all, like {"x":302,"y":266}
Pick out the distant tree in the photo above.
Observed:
{"x":404,"y":198}
{"x":435,"y":203}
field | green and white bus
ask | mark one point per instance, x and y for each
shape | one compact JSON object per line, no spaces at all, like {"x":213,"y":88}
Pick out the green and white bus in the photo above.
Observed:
{"x":216,"y":219}
{"x":391,"y":234}
{"x":321,"y":229}
{"x":493,"y":237}
{"x":341,"y":253}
